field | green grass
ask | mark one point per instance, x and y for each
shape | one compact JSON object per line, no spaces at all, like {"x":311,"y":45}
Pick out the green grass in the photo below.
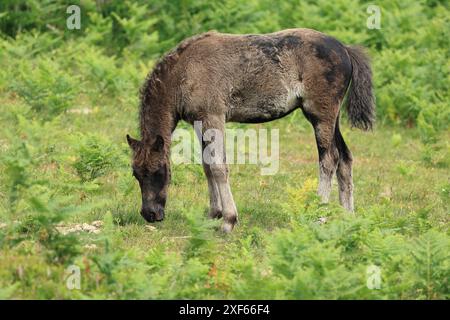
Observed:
{"x":68,"y":100}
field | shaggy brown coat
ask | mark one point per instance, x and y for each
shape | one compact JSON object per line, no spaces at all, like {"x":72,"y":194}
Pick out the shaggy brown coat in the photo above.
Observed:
{"x":217,"y":78}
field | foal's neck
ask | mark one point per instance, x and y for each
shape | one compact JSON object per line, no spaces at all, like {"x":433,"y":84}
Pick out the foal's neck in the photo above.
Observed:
{"x":157,"y":118}
{"x":158,"y":104}
{"x":155,"y":123}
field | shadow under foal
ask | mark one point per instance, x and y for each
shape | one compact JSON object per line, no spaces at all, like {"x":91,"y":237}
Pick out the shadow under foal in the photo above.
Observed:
{"x":216,"y":78}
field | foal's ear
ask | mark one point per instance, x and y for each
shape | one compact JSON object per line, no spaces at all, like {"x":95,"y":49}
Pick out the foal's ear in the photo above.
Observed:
{"x":133,"y":143}
{"x":159,"y":144}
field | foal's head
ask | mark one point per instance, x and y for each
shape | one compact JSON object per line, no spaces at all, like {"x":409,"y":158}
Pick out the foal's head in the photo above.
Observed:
{"x":151,"y":169}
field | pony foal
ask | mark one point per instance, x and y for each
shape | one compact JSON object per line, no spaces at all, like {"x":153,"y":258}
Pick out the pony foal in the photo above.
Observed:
{"x":217,"y":78}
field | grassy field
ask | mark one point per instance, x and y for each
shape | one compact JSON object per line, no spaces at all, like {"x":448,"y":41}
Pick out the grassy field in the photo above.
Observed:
{"x":68,"y":200}
{"x":280,"y":249}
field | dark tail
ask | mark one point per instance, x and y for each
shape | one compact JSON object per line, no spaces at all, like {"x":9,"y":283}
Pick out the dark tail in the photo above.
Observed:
{"x":360,"y":100}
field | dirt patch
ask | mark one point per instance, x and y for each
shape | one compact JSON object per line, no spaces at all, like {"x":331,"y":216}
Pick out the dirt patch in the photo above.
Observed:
{"x":93,"y":227}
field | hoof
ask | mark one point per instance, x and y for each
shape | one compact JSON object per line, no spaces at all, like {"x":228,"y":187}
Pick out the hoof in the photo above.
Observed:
{"x":228,"y":225}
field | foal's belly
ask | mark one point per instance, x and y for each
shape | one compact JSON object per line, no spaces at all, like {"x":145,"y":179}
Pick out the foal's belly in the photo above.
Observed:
{"x":258,"y":108}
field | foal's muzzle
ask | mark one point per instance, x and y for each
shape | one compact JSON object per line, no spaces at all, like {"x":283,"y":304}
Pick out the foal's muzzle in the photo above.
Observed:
{"x":153,"y":214}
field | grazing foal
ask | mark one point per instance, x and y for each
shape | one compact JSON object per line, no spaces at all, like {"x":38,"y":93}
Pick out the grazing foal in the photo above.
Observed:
{"x":215,"y":78}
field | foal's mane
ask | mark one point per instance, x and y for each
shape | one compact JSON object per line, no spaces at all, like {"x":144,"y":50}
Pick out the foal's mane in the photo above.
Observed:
{"x":152,"y":92}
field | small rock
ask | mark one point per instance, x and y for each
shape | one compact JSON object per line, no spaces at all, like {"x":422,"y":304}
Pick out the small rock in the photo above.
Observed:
{"x":97,"y":223}
{"x":90,"y":246}
{"x":85,"y":227}
{"x":266,"y":272}
{"x":81,"y":111}
{"x":151,"y":228}
{"x":322,"y":220}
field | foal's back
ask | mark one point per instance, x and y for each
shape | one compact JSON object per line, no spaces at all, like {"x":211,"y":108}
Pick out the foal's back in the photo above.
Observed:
{"x":258,"y":78}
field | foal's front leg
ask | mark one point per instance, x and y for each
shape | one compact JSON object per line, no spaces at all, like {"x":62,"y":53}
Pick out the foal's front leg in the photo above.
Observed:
{"x":229,"y":211}
{"x":215,"y":203}
{"x":214,"y":157}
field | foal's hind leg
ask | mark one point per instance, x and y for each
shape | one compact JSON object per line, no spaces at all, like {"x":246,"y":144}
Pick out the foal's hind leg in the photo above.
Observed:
{"x":344,"y":171}
{"x":328,"y":159}
{"x":323,"y":123}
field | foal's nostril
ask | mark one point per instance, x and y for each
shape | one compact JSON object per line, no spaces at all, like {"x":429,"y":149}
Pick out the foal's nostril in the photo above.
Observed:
{"x":160,"y":215}
{"x":151,"y":216}
{"x":148,"y":216}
